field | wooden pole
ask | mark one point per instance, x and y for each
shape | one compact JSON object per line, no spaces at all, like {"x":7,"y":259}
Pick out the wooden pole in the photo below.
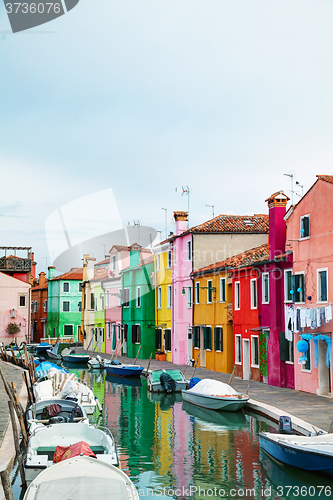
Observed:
{"x":196,"y":364}
{"x":232,"y":374}
{"x":24,"y":375}
{"x":151,"y":355}
{"x":114,"y":352}
{"x":248,"y":385}
{"x":20,"y":413}
{"x":137,"y":355}
{"x":122,"y":345}
{"x":17,"y":444}
{"x":7,"y":487}
{"x":26,"y":354}
{"x":13,"y":354}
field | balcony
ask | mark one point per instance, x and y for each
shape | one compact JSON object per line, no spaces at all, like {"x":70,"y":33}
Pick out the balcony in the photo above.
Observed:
{"x":15,"y":264}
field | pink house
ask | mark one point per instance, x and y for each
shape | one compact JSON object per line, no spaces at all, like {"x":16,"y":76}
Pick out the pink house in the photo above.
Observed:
{"x":14,"y":308}
{"x":310,"y":289}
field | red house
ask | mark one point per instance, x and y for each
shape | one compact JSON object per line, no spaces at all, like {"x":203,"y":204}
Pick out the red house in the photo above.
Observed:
{"x":39,"y":308}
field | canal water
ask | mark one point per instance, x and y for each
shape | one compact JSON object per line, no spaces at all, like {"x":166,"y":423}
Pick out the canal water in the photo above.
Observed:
{"x":174,"y":450}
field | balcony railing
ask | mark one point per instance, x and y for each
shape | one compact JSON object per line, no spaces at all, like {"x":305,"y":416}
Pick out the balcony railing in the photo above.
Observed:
{"x":13,"y":264}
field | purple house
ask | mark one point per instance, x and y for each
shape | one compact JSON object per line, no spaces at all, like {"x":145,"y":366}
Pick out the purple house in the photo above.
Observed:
{"x":274,"y":278}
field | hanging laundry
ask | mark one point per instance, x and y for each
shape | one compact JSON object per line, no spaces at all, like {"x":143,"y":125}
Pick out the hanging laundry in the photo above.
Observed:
{"x":303,"y":317}
{"x":289,"y":323}
{"x":322,"y":315}
{"x":318,"y":317}
{"x":313,"y":319}
{"x":298,"y":320}
{"x":328,"y":313}
{"x":308,"y":317}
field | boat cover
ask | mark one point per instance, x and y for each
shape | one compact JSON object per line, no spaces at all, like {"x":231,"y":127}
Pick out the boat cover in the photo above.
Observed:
{"x":82,"y":488}
{"x":194,"y":381}
{"x":167,"y":382}
{"x":175,"y":374}
{"x":64,"y":452}
{"x":211,"y":387}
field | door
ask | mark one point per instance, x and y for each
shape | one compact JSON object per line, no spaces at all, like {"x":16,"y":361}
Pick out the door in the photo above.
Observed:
{"x":99,"y":339}
{"x":323,"y":370}
{"x":125,"y":328}
{"x":246,"y":359}
{"x":189,"y":346}
{"x":202,"y":350}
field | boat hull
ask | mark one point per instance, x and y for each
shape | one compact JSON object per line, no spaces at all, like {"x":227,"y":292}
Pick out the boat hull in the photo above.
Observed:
{"x":76,"y":359}
{"x":52,"y":355}
{"x":294,"y":456}
{"x":225,"y":403}
{"x":123,"y":371}
{"x":154,"y":383}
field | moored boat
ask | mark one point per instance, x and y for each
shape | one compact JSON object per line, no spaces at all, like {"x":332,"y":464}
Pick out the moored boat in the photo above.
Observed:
{"x":166,"y":381}
{"x":70,"y":356}
{"x":53,"y":352}
{"x":81,"y":478}
{"x":51,"y":444}
{"x":215,"y":395}
{"x":46,"y":412}
{"x":123,"y":370}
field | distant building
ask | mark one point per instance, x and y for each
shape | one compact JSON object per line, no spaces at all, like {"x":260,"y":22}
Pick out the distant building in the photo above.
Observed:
{"x":14,"y":308}
{"x":21,"y":268}
{"x":39,"y":292}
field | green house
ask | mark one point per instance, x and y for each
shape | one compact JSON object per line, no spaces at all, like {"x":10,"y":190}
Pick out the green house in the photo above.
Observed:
{"x":64,"y":304}
{"x":138,"y":307}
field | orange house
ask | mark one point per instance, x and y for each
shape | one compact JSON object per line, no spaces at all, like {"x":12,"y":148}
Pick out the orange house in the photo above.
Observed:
{"x":38,"y":308}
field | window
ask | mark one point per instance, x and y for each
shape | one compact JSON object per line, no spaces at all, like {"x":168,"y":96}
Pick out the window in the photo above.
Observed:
{"x":107,"y":302}
{"x":237,"y":295}
{"x":79,"y":305}
{"x":286,"y":349}
{"x":322,"y":285}
{"x":36,"y":305}
{"x":22,"y":300}
{"x":222,"y":290}
{"x":80,"y":287}
{"x":65,"y":306}
{"x":253,"y":285}
{"x":197,"y":292}
{"x":218,"y":338}
{"x":68,"y":330}
{"x":158,"y":262}
{"x":298,"y":287}
{"x":159,"y":298}
{"x":207,"y":337}
{"x":136,"y":334}
{"x":45,"y":305}
{"x":169,"y":296}
{"x":92,"y":301}
{"x":113,"y":262}
{"x":196,"y":336}
{"x":126,"y":297}
{"x":288,"y":297}
{"x":158,"y":339}
{"x":32,"y":307}
{"x":167,"y":339}
{"x":96,"y":303}
{"x":102,"y":302}
{"x":209,"y":292}
{"x":238,"y":350}
{"x":305,"y":226}
{"x":189,"y":253}
{"x":119,"y":297}
{"x":108,"y":331}
{"x":265,"y":288}
{"x":138,"y":296}
{"x":307,"y":366}
{"x":255,"y":351}
{"x":65,"y":287}
{"x":189,"y":296}
{"x":169,"y":259}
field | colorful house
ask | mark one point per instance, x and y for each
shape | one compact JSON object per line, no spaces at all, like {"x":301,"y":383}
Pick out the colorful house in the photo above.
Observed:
{"x":14,"y":308}
{"x":246,"y":323}
{"x":119,"y":259}
{"x":22,"y":268}
{"x":98,"y":301}
{"x":309,"y":291}
{"x":64,"y":304}
{"x":196,"y":248}
{"x":39,"y":308}
{"x":88,"y":306}
{"x":138,"y":308}
{"x":163,"y":297}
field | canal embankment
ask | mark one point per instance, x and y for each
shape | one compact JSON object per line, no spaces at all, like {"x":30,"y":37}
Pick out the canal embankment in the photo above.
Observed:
{"x":309,"y":412}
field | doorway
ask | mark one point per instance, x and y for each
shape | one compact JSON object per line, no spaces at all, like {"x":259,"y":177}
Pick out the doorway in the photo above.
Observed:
{"x":202,"y":350}
{"x":189,"y":345}
{"x":324,"y":379}
{"x":246,"y":359}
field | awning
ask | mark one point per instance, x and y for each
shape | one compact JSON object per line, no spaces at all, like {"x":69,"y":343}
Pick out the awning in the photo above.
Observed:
{"x":259,"y":328}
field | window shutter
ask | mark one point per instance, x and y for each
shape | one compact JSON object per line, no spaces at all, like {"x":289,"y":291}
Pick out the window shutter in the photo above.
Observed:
{"x":323,"y":285}
{"x":283,"y":347}
{"x":158,"y":338}
{"x":216,"y":339}
{"x":206,"y":339}
{"x":306,"y":226}
{"x":133,"y":334}
{"x":293,"y":287}
{"x":138,"y":333}
{"x":221,"y":339}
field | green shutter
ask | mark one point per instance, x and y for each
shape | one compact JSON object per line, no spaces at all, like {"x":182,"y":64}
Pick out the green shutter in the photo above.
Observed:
{"x":283,"y":347}
{"x":216,"y":339}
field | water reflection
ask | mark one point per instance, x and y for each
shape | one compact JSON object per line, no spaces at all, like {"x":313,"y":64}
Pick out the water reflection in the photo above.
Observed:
{"x":172,"y":449}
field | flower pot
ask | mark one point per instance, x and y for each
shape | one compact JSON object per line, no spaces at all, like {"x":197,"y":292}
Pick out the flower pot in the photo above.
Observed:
{"x":162,"y":357}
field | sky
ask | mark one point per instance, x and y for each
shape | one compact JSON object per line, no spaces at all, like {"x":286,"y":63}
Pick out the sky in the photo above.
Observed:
{"x":143,"y":96}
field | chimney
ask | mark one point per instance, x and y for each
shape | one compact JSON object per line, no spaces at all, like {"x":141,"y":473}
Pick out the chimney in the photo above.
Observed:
{"x":134,"y":255}
{"x":180,"y":219}
{"x":89,"y":263}
{"x":277,"y":226}
{"x":51,"y":272}
{"x":42,"y":281}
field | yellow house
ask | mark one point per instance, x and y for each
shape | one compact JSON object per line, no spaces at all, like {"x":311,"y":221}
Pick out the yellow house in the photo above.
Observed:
{"x":212,"y":331}
{"x":163,"y":297}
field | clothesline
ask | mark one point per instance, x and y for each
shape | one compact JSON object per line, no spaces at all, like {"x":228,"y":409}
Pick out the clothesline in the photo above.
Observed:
{"x":298,"y":318}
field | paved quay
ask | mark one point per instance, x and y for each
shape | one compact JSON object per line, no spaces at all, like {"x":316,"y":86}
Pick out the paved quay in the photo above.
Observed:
{"x":13,"y":374}
{"x":315,"y":410}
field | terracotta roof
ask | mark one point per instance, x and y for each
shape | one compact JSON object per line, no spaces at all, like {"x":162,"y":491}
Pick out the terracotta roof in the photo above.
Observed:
{"x":74,"y":274}
{"x":120,"y":248}
{"x":149,"y":260}
{"x":165,"y":241}
{"x":106,"y":261}
{"x":241,"y":260}
{"x":100,"y":274}
{"x":326,"y":178}
{"x":231,"y":224}
{"x":38,"y":287}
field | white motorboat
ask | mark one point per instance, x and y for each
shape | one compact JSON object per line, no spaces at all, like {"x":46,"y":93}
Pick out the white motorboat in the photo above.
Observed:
{"x":166,"y":381}
{"x":53,"y":352}
{"x":81,"y":478}
{"x":46,"y":412}
{"x":215,"y":395}
{"x":44,"y":441}
{"x":65,"y":386}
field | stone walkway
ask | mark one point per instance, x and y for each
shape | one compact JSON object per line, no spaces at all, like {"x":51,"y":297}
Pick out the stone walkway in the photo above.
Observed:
{"x":316,"y":410}
{"x":12,"y":374}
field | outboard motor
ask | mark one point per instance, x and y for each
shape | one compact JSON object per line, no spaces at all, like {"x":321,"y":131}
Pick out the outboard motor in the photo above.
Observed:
{"x":58,"y":420}
{"x":285,"y":425}
{"x":167,"y":382}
